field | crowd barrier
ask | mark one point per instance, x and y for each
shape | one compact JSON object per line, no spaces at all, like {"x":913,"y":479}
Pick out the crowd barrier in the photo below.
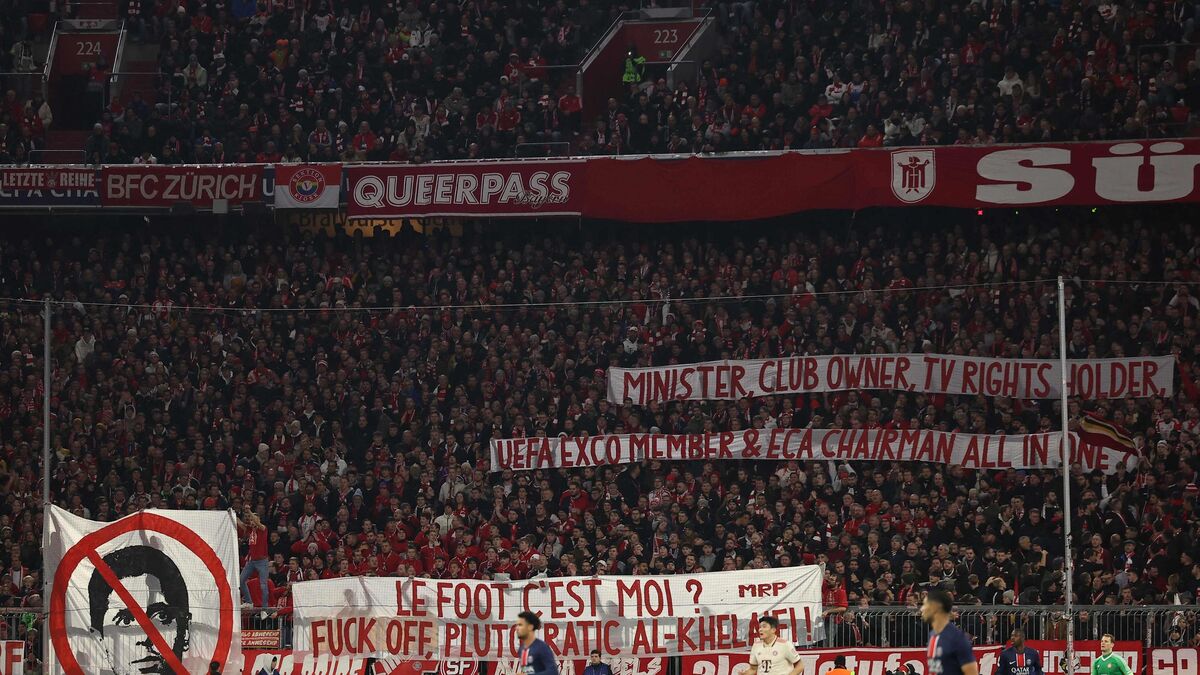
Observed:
{"x":899,"y":627}
{"x":15,"y":622}
{"x":1169,"y":635}
{"x":902,"y":626}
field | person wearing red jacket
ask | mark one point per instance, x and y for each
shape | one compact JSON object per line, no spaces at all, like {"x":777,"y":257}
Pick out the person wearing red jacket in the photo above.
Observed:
{"x":365,"y":140}
{"x":486,"y":117}
{"x":871,"y":139}
{"x":257,"y":560}
{"x":509,"y":118}
{"x":514,"y":70}
{"x":389,"y":560}
{"x":576,"y":498}
{"x":283,"y":601}
{"x":410,"y":560}
{"x":535,"y":66}
{"x":432,"y":551}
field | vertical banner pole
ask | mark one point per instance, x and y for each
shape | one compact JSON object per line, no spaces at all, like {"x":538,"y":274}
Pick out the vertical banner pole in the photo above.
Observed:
{"x":45,"y":475}
{"x":1068,"y":565}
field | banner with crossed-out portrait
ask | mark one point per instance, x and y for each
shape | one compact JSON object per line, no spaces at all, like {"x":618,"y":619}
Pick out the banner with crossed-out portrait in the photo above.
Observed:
{"x":153,"y":593}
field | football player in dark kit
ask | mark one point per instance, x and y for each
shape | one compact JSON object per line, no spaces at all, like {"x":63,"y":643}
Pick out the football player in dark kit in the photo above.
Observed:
{"x":534,"y":656}
{"x":949,"y":651}
{"x":1019,"y":659}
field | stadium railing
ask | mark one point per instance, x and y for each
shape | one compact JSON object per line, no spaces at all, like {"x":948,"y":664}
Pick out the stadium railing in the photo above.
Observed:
{"x":902,"y":626}
{"x":896,"y":627}
{"x":15,"y":622}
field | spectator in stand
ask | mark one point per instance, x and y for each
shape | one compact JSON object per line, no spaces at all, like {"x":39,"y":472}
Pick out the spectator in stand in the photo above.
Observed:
{"x":359,"y":437}
{"x":256,"y":561}
{"x":816,"y":75}
{"x":97,"y":145}
{"x":1013,"y":74}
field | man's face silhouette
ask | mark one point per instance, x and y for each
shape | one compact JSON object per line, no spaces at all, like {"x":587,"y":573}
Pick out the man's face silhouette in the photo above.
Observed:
{"x":127,"y":641}
{"x":156,"y":585}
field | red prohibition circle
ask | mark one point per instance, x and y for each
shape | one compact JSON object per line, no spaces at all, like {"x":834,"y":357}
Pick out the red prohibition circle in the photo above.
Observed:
{"x":90,"y":543}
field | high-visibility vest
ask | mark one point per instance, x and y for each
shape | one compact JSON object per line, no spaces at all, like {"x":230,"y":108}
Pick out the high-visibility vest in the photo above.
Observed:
{"x":635,"y":69}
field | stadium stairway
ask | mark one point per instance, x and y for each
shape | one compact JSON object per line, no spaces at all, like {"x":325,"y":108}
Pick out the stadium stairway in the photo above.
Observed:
{"x":141,"y":62}
{"x":65,"y":147}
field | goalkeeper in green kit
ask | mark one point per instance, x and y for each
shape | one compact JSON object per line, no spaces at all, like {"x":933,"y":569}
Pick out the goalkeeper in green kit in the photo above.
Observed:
{"x":1109,"y":663}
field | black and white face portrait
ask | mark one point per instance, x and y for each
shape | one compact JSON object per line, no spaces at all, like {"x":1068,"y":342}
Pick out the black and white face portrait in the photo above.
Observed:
{"x":156,"y":584}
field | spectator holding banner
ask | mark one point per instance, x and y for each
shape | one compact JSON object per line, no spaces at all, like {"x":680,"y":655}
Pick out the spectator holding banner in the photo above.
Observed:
{"x":257,"y":560}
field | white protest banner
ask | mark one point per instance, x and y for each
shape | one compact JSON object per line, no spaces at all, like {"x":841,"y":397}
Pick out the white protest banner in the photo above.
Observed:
{"x":1174,"y":660}
{"x":930,"y":373}
{"x":12,"y":657}
{"x":152,"y":591}
{"x":627,"y":616}
{"x":972,"y":451}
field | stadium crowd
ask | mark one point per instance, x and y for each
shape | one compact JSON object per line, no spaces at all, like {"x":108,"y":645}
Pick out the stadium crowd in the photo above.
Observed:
{"x":415,"y":81}
{"x":240,"y":367}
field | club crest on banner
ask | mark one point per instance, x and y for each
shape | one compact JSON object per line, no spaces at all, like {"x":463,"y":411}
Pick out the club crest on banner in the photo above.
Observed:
{"x":913,"y":174}
{"x":307,"y":185}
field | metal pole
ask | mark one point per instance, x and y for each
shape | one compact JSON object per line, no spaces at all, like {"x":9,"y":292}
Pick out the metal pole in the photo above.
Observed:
{"x":1068,"y":567}
{"x":46,"y":406}
{"x":45,"y":474}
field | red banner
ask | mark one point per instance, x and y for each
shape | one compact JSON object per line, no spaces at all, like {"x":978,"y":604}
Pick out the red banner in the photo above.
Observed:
{"x":48,"y":186}
{"x":543,"y":188}
{"x":1082,"y":173}
{"x":748,"y":187}
{"x":711,"y":188}
{"x":669,"y":188}
{"x":165,"y":186}
{"x":971,"y":177}
{"x":658,"y":190}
